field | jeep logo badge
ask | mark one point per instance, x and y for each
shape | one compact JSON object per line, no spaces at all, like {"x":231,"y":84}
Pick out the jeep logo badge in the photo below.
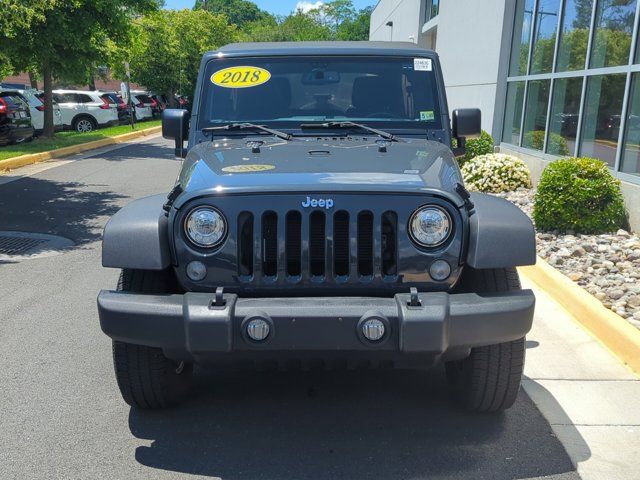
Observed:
{"x":318,"y":202}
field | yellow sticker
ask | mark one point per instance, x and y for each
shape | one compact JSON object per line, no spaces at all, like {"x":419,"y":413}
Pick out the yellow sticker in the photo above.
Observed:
{"x":240,"y":77}
{"x":247,"y":168}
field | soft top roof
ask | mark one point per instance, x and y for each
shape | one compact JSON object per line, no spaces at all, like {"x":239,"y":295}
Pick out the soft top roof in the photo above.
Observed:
{"x":321,"y":48}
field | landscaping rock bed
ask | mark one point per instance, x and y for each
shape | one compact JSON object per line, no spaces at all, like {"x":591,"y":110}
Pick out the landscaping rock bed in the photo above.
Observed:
{"x":607,"y":266}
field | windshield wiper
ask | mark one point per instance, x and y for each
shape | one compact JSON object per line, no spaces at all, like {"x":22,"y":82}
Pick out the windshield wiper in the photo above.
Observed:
{"x":245,"y":126}
{"x":386,"y":135}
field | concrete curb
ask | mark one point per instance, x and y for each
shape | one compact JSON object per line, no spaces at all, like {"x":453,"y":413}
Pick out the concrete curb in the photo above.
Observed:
{"x":22,"y":160}
{"x":613,"y":331}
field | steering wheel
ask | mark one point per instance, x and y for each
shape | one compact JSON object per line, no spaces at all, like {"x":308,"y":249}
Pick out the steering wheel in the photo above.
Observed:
{"x":383,"y":115}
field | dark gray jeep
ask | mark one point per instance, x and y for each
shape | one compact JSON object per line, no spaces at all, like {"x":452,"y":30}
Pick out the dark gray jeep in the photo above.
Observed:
{"x":320,"y":220}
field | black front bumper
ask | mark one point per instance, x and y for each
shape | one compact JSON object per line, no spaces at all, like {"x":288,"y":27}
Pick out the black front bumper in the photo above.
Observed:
{"x":191,"y":326}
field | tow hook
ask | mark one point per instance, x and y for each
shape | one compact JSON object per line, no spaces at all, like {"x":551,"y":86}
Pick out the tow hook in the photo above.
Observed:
{"x":218,"y":301}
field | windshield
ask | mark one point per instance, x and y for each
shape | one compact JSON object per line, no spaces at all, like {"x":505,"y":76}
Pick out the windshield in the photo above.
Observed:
{"x":283,"y":92}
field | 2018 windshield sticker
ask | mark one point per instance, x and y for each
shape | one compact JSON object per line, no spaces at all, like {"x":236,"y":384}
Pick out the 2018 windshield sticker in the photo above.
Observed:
{"x":247,"y":168}
{"x":240,"y":77}
{"x":422,"y":64}
{"x":427,"y":115}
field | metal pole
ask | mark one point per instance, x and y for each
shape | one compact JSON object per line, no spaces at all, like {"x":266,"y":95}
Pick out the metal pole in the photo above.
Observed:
{"x":129,"y":99}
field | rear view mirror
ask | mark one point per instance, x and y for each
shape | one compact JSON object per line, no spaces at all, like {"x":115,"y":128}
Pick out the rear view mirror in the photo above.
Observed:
{"x":318,"y":76}
{"x":465,"y":123}
{"x":175,"y":126}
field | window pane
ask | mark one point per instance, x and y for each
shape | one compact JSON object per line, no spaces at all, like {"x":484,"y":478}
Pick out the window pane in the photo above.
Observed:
{"x":513,"y":113}
{"x":574,"y":36}
{"x":630,"y":161}
{"x":521,"y":38}
{"x":612,"y":38}
{"x":544,"y":37}
{"x":535,"y":115}
{"x":431,"y":9}
{"x":565,"y":109}
{"x":601,"y":122}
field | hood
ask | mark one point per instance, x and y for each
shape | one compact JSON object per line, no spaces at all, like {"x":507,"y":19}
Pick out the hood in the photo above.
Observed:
{"x":305,"y":164}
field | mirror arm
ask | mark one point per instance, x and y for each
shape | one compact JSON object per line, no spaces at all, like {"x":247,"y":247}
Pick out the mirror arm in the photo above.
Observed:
{"x":179,"y":147}
{"x":461,"y":149}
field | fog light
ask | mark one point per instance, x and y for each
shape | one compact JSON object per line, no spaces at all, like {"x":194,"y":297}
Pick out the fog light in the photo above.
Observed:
{"x":373,"y":329}
{"x":440,"y":270}
{"x":258,"y":329}
{"x":196,"y":271}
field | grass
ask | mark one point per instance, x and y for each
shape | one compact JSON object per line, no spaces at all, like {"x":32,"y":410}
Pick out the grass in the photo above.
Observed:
{"x":67,"y":139}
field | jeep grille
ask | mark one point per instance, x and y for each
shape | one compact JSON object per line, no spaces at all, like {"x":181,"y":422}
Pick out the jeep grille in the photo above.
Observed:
{"x":333,"y":246}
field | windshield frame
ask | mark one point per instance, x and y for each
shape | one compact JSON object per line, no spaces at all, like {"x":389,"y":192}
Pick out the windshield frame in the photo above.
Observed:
{"x":402,"y":127}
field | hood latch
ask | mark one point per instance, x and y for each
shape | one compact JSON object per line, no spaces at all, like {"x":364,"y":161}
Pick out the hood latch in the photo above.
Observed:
{"x":466,"y":198}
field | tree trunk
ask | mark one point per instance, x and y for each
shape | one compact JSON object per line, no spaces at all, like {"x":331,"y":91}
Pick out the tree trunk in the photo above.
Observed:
{"x":33,"y":81}
{"x":92,"y":82}
{"x":48,"y":102}
{"x":171,"y":97}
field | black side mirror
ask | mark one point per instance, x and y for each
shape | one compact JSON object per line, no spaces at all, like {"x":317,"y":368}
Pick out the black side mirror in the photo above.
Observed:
{"x":465,"y":123}
{"x":175,"y":126}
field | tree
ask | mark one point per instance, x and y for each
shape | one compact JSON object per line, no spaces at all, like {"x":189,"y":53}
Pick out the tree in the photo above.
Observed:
{"x":65,"y":38}
{"x":356,"y":28}
{"x":165,"y":48}
{"x":334,"y":13}
{"x":239,"y":12}
{"x":293,"y":28}
{"x":336,"y":20}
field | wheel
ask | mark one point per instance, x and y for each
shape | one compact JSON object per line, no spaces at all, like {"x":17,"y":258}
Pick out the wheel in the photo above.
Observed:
{"x":488,"y":380}
{"x":146,"y":377}
{"x":84,"y":124}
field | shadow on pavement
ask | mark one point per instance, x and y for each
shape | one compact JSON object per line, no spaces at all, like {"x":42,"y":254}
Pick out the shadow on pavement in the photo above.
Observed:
{"x":156,"y":151}
{"x":377,"y":424}
{"x":69,"y":209}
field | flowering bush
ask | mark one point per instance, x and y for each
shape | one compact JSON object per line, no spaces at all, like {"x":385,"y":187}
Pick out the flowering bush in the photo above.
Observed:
{"x":495,"y":173}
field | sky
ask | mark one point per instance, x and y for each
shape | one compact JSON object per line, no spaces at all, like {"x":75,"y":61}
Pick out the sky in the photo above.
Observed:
{"x":277,"y":7}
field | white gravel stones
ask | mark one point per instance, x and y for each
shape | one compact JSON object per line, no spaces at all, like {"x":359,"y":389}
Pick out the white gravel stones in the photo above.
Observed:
{"x":607,"y":266}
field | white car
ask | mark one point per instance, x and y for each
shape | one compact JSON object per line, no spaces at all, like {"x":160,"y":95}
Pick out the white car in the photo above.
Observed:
{"x":142,"y":104}
{"x":85,"y":111}
{"x":35,"y":101}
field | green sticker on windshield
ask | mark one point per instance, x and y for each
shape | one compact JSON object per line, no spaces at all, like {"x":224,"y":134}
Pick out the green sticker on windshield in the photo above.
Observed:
{"x":427,"y":115}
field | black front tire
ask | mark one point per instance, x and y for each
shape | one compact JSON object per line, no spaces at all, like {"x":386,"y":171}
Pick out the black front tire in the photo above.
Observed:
{"x":488,"y":380}
{"x":146,"y":377}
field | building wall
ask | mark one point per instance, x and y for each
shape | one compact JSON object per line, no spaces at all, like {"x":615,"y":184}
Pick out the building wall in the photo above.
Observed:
{"x":407,"y":17}
{"x":107,"y":85}
{"x":468,"y":37}
{"x":469,"y":44}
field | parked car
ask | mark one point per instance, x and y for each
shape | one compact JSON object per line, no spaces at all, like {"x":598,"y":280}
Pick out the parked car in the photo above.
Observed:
{"x":85,"y":111}
{"x":159,"y":104}
{"x":57,"y":113}
{"x":142,"y":106}
{"x":124,"y":110}
{"x":36,"y":108}
{"x":15,"y":120}
{"x":292,"y":240}
{"x":183,"y":102}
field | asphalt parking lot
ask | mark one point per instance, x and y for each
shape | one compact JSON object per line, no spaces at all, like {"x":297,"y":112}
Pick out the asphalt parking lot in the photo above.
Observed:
{"x":62,"y":415}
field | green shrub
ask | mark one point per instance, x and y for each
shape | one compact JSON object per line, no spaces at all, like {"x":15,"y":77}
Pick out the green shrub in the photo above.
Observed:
{"x":482,"y":145}
{"x":579,"y":194}
{"x":495,"y":173}
{"x":557,"y":143}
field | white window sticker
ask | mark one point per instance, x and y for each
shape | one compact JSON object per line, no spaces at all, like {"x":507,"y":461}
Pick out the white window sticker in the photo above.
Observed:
{"x":422,"y":64}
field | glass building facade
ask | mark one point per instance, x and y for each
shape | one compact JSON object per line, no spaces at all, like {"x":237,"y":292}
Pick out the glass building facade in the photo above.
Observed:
{"x":573,"y":85}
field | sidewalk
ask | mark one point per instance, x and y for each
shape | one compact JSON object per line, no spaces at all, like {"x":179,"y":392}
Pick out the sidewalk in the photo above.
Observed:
{"x":590,"y":399}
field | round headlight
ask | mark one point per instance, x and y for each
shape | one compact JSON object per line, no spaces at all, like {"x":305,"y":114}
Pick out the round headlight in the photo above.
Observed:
{"x":205,"y":227}
{"x":430,"y":226}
